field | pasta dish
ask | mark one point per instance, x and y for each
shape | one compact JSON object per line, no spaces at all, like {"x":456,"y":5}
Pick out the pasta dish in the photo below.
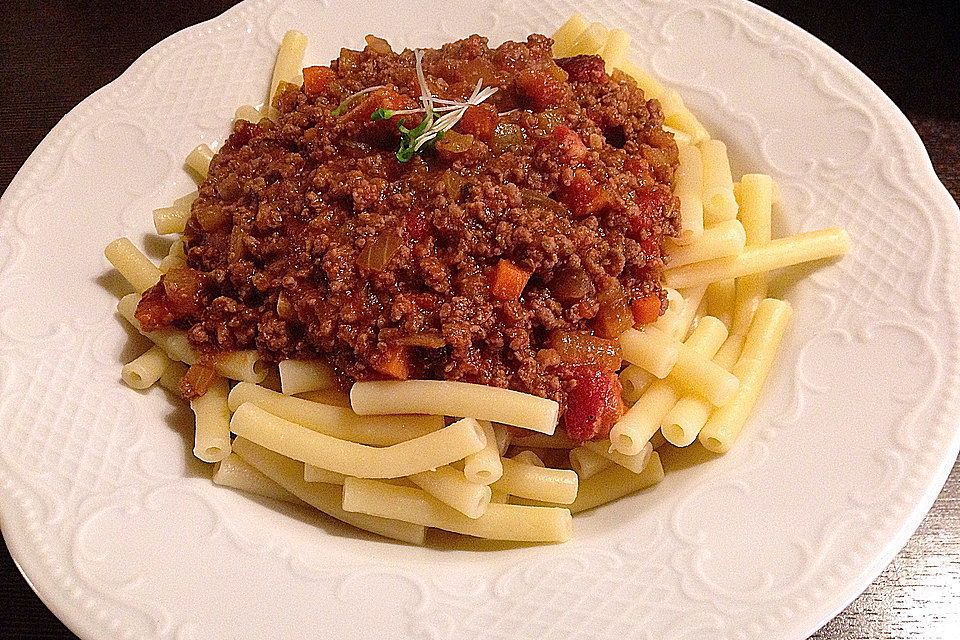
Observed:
{"x":528,"y":265}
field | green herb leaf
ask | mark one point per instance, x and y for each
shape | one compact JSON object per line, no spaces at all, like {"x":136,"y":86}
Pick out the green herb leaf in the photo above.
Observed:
{"x":381,"y":114}
{"x":341,"y":108}
{"x":408,"y":138}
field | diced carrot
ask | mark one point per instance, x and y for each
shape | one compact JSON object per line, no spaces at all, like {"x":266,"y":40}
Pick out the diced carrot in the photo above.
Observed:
{"x":646,"y":309}
{"x":385,"y":98}
{"x":479,"y":121}
{"x":316,"y":79}
{"x":508,"y":281}
{"x":583,"y":196}
{"x":541,"y":89}
{"x":395,"y":362}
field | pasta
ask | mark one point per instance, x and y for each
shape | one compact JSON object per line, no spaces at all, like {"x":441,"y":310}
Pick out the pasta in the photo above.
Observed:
{"x":499,"y":522}
{"x":719,"y":203}
{"x":721,"y":297}
{"x":756,"y":201}
{"x":212,"y":437}
{"x":146,"y":370}
{"x":349,"y":458}
{"x":287,"y":67}
{"x":641,"y":421}
{"x":651,"y":349}
{"x":135,"y":267}
{"x":723,"y":239}
{"x":615,"y":482}
{"x":173,"y":219}
{"x":175,"y":258}
{"x":452,"y":487}
{"x":233,"y":472}
{"x":327,"y":498}
{"x":634,"y":463}
{"x":759,"y":349}
{"x":198,"y":160}
{"x":688,"y":185}
{"x":238,"y":365}
{"x":537,"y":482}
{"x":298,"y":376}
{"x":460,"y":399}
{"x":338,"y":422}
{"x":682,"y":423}
{"x":316,"y":474}
{"x":484,"y":467}
{"x":776,"y":254}
{"x":587,"y":463}
{"x":382,"y":459}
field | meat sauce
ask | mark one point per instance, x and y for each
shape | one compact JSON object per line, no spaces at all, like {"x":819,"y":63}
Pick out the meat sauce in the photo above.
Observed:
{"x":512,"y":252}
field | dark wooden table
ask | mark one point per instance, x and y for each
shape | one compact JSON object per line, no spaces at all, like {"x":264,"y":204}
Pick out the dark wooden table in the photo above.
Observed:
{"x":53,"y":54}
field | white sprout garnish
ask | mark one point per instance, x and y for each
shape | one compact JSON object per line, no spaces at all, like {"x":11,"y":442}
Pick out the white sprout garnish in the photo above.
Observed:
{"x":431,"y":127}
{"x":349,"y":100}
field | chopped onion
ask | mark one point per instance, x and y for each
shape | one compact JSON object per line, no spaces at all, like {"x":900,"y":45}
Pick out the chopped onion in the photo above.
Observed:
{"x":429,"y":340}
{"x":579,"y":347}
{"x":285,"y":308}
{"x":454,"y":183}
{"x":533,"y":198}
{"x":506,"y":137}
{"x":572,"y":284}
{"x":377,"y":254}
{"x":453,"y":142}
{"x":378,"y":44}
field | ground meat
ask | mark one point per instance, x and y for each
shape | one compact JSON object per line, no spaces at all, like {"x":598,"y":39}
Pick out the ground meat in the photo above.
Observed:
{"x":314,"y":241}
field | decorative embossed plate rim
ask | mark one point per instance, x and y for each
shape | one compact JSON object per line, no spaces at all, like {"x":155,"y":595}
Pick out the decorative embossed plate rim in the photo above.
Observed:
{"x":106,"y":516}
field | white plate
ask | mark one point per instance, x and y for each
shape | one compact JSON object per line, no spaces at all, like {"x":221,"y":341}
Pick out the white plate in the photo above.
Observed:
{"x":123,"y":536}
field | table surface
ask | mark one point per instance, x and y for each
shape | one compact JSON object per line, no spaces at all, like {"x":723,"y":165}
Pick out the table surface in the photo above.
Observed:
{"x":55,"y":54}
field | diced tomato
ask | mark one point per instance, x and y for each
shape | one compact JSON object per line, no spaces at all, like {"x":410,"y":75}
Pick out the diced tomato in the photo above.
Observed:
{"x":479,"y":121}
{"x":541,"y":88}
{"x":394,"y":362}
{"x":508,"y":281}
{"x":583,"y":68}
{"x":594,"y":405}
{"x":153,"y":312}
{"x":646,"y":309}
{"x":185,"y":289}
{"x":652,"y":203}
{"x":640,"y":168}
{"x":416,"y":223}
{"x":583,"y":196}
{"x":571,"y":146}
{"x":196,"y":381}
{"x":316,"y":79}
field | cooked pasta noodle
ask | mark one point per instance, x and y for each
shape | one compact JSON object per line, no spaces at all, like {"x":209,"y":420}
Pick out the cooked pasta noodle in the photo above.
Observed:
{"x":499,"y":522}
{"x":233,"y":472}
{"x":145,"y":370}
{"x":327,"y":498}
{"x":459,"y":399}
{"x":349,"y":458}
